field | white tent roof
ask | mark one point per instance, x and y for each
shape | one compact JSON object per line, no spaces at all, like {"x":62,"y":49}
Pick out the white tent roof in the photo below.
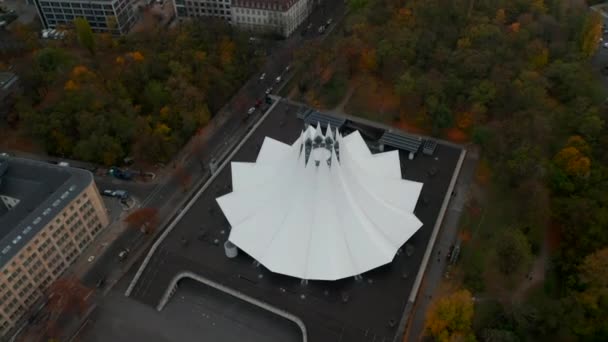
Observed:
{"x":324,"y":208}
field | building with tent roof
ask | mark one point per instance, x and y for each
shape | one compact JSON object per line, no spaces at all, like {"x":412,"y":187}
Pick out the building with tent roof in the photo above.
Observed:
{"x":323,"y":208}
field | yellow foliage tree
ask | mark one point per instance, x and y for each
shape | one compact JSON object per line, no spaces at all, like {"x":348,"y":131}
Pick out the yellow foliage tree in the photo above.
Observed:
{"x":70,"y":86}
{"x":592,"y":32}
{"x":514,"y":27}
{"x":201,"y":56}
{"x":136,"y":56}
{"x":120,"y":60}
{"x":580,"y":144}
{"x":572,"y":162}
{"x":593,"y":273}
{"x":450,"y":318}
{"x":226,"y":50}
{"x":501,"y":17}
{"x":368,"y":60}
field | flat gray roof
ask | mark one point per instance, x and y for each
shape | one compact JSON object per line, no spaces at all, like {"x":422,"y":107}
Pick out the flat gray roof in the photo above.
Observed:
{"x":43,"y":190}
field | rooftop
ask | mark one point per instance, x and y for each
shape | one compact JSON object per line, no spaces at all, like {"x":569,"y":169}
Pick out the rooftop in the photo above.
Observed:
{"x":351,"y":310}
{"x":42,"y":191}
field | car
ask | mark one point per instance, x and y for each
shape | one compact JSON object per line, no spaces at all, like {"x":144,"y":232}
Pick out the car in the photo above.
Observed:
{"x":329,"y":21}
{"x":262,"y":76}
{"x":64,"y":164}
{"x":321,"y":29}
{"x":91,"y":258}
{"x":251,"y":110}
{"x":123,"y":254}
{"x":120,"y":174}
{"x":278,"y":79}
{"x":108,"y":192}
{"x":122,"y":194}
{"x":605,"y":45}
{"x":287,"y":68}
{"x":309,"y":26}
{"x":268,"y":91}
{"x":4,"y":155}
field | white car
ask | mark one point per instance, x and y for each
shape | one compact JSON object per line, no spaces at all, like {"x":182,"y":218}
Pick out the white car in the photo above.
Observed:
{"x":287,"y":68}
{"x":91,"y":258}
{"x":278,"y":79}
{"x":268,"y":91}
{"x":251,"y":110}
{"x":262,"y":77}
{"x":606,"y":45}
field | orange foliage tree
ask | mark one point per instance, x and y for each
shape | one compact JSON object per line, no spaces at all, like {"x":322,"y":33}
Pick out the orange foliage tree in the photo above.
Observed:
{"x":572,"y":158}
{"x":450,"y":318}
{"x":183,"y":177}
{"x":145,"y":219}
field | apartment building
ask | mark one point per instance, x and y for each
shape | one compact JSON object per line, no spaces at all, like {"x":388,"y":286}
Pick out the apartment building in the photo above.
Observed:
{"x":278,"y":16}
{"x":203,"y":8}
{"x":115,"y":16}
{"x":48,"y":215}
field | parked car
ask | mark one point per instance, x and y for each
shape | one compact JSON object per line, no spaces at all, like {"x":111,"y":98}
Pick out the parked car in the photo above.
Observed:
{"x":122,"y":194}
{"x":251,"y":110}
{"x":262,"y":76}
{"x":64,"y":164}
{"x":269,"y":90}
{"x":278,"y":79}
{"x":287,"y":68}
{"x":107,"y":192}
{"x":120,"y":174}
{"x":321,"y":29}
{"x":329,"y":21}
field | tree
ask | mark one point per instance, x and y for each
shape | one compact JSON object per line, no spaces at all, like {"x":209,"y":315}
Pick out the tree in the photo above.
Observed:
{"x":513,"y":252}
{"x":66,"y":296}
{"x":144,"y":219}
{"x":450,"y":318}
{"x":183,"y":177}
{"x":572,"y":162}
{"x":593,"y":275}
{"x":592,"y":31}
{"x":85,"y":34}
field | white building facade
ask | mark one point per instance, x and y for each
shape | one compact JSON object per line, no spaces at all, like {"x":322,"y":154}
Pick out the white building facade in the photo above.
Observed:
{"x":277,"y":16}
{"x":203,"y":8}
{"x":280,"y":16}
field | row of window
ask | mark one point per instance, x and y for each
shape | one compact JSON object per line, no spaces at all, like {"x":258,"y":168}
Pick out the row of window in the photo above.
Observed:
{"x":74,"y":5}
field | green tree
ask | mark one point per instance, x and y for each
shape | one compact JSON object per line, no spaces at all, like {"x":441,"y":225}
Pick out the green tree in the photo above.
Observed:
{"x":513,"y":252}
{"x":85,"y":34}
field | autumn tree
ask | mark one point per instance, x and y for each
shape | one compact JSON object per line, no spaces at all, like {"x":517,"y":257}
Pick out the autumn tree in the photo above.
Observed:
{"x":144,"y":219}
{"x":450,"y":318}
{"x":183,"y":176}
{"x":590,"y":36}
{"x":66,"y":296}
{"x":85,"y":34}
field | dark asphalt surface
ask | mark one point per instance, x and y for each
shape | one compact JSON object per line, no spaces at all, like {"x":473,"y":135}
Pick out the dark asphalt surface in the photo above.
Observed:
{"x":372,"y":303}
{"x":196,"y":313}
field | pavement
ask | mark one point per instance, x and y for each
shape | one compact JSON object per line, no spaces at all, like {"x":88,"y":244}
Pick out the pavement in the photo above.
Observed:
{"x":197,"y":313}
{"x":448,"y":236}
